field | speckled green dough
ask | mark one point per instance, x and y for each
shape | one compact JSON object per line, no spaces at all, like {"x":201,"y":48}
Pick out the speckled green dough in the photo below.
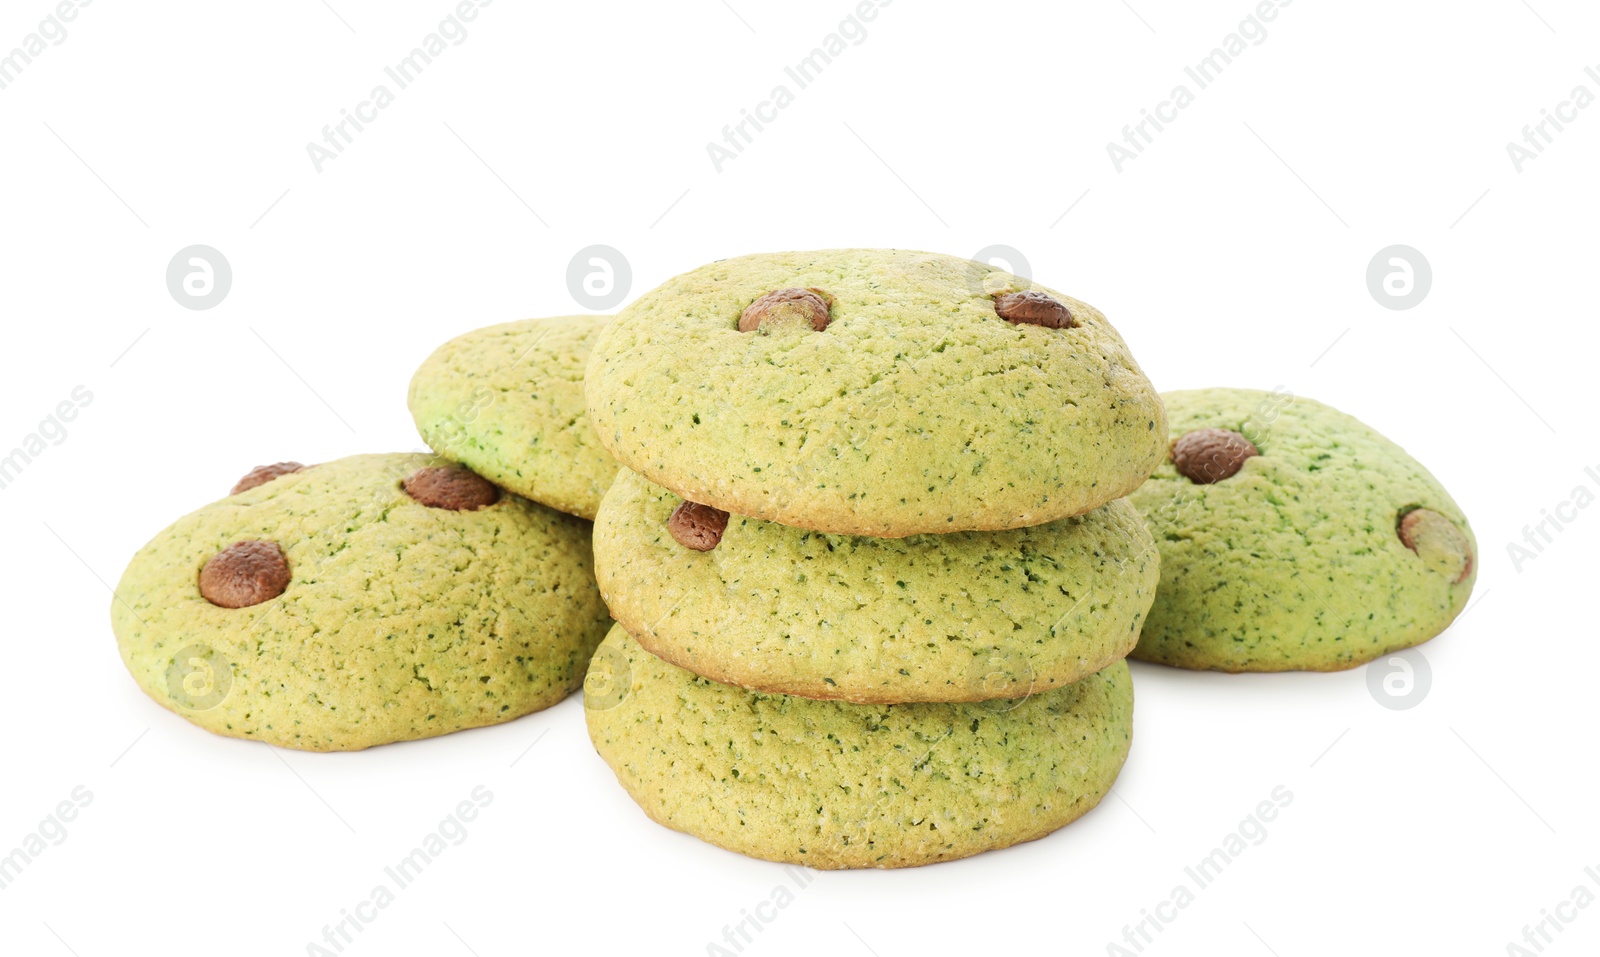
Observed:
{"x":830,"y":784}
{"x":917,"y":410}
{"x":400,"y":621}
{"x":958,"y":617}
{"x":1294,"y":563}
{"x":507,"y":402}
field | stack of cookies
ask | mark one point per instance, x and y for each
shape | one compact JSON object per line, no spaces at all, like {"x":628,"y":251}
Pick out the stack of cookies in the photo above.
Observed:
{"x":871,"y":551}
{"x":872,"y":570}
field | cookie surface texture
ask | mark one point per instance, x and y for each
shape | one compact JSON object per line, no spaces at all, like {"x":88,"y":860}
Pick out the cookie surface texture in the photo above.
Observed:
{"x":330,"y":610}
{"x":913,"y":406}
{"x":829,"y":784}
{"x":1299,"y":558}
{"x":507,"y":402}
{"x":960,"y":617}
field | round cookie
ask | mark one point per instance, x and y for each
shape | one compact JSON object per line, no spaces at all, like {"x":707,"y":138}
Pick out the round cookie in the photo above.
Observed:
{"x":965,"y":616}
{"x":877,"y":392}
{"x":372,"y":599}
{"x":507,"y":402}
{"x":1294,"y":537}
{"x":829,"y":784}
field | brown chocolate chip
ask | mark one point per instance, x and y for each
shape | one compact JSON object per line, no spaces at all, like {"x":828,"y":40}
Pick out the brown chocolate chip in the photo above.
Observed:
{"x":1205,"y":456}
{"x":1034,"y":308}
{"x":697,"y":526}
{"x":262,"y":474}
{"x":1437,"y":541}
{"x":793,"y":306}
{"x":244,"y":574}
{"x":452,"y":487}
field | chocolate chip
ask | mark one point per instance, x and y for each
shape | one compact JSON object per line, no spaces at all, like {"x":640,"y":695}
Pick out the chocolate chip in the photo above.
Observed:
{"x":452,"y":487}
{"x":262,"y":474}
{"x":786,"y":307}
{"x":1205,"y":456}
{"x":1437,"y":541}
{"x":244,"y":574}
{"x":1033,"y":308}
{"x":697,"y":526}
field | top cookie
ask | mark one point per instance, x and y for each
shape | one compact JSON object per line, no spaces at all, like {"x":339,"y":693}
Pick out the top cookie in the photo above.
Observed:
{"x":877,"y":392}
{"x":507,"y":401}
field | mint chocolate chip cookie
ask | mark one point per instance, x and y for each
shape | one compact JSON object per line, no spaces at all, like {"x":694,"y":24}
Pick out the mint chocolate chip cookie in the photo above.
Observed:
{"x":1294,"y":537}
{"x":874,"y":392}
{"x":507,"y":402}
{"x":830,"y":784}
{"x":372,"y":599}
{"x":965,"y":616}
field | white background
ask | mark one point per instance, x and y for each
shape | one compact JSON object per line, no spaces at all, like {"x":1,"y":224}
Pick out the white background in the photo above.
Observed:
{"x":1232,"y":252}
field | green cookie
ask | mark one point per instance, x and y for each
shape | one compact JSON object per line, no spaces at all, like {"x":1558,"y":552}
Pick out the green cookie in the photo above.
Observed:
{"x":507,"y":402}
{"x":1329,"y":548}
{"x":880,"y":392}
{"x":830,"y":784}
{"x":960,"y":617}
{"x":330,"y":609}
